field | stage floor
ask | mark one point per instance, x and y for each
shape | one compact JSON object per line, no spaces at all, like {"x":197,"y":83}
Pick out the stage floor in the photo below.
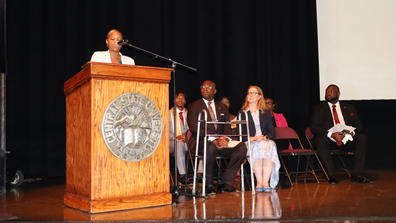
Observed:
{"x":304,"y":202}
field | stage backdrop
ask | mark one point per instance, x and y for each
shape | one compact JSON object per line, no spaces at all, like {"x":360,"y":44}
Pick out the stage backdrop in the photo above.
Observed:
{"x":268,"y":43}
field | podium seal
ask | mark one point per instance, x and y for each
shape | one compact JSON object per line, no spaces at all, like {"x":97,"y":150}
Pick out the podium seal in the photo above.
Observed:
{"x":132,"y":127}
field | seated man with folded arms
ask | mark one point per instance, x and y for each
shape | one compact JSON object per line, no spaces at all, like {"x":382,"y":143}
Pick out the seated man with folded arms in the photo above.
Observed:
{"x":328,"y":114}
{"x":216,"y":145}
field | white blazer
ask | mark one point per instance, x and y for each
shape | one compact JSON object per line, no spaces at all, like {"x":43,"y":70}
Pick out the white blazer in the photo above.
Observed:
{"x":104,"y":57}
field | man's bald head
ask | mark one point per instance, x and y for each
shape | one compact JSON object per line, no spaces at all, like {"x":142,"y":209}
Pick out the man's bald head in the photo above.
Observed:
{"x":208,"y":90}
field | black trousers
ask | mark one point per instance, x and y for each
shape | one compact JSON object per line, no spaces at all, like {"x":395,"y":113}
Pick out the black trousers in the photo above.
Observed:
{"x":323,"y":145}
{"x":235,"y":155}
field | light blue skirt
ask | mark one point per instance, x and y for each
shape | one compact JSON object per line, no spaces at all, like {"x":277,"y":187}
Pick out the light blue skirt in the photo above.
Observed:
{"x":266,"y":149}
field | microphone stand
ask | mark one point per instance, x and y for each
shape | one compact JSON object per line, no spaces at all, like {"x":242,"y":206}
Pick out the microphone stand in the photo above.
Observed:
{"x":174,"y":65}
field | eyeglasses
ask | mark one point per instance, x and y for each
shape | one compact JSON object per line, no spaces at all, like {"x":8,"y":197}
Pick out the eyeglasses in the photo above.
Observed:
{"x":206,"y":86}
{"x":253,"y":93}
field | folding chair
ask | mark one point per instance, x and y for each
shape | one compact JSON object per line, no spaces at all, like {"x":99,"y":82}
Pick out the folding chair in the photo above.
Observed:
{"x":205,"y":122}
{"x":337,"y":153}
{"x":287,"y":133}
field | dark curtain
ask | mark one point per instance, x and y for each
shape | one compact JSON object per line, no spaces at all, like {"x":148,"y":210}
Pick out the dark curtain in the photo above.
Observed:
{"x":2,"y":39}
{"x":2,"y":97}
{"x":268,"y":43}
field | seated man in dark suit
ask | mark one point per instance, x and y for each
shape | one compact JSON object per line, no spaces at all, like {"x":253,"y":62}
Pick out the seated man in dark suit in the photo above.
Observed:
{"x":215,"y":145}
{"x":326,"y":115}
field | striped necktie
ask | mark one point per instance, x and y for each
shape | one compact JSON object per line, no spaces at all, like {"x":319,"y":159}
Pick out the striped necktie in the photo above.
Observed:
{"x":211,"y":113}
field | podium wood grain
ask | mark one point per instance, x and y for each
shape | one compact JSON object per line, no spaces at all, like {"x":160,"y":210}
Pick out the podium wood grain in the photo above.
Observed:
{"x":96,"y":180}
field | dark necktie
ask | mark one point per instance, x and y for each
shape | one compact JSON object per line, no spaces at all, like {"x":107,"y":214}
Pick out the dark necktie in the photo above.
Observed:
{"x":337,"y":121}
{"x":335,"y":114}
{"x":211,"y":113}
{"x":181,"y":118}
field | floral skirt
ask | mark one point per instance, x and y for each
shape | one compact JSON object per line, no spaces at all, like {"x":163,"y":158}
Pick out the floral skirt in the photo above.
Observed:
{"x":265,"y":149}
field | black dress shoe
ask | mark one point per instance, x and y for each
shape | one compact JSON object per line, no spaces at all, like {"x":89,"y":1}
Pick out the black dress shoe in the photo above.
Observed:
{"x":199,"y":178}
{"x":361,"y":179}
{"x":183,"y":179}
{"x":227,"y":188}
{"x":333,"y":180}
{"x":210,"y":189}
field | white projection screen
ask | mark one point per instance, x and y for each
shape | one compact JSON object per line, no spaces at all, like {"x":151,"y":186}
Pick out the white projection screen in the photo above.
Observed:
{"x":357,"y":48}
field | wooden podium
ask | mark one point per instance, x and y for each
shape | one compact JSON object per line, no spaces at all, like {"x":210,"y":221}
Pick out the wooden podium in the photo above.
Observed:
{"x":96,"y":179}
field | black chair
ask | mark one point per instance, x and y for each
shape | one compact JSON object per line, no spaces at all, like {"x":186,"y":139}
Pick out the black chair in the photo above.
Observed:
{"x":287,"y":133}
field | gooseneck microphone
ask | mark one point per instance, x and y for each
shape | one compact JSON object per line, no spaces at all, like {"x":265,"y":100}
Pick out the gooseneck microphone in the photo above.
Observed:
{"x":122,"y":42}
{"x":125,"y":42}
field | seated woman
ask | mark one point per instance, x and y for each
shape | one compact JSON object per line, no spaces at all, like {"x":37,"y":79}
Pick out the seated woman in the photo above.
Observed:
{"x":279,"y":119}
{"x":265,"y":160}
{"x":112,"y":55}
{"x":226,"y":101}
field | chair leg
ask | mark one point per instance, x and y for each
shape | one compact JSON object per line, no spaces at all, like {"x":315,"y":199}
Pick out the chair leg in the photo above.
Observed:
{"x":321,"y":166}
{"x":312,"y":168}
{"x":297,"y":169}
{"x":285,"y":169}
{"x":306,"y":168}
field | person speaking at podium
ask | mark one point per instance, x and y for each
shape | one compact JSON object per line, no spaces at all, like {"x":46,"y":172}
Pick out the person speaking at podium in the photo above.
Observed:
{"x":112,"y":55}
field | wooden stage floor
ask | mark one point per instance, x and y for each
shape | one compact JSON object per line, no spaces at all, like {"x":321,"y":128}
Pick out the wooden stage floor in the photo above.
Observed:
{"x":305,"y":202}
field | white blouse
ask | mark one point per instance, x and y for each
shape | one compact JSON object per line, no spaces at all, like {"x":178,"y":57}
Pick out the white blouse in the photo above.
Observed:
{"x":104,"y":57}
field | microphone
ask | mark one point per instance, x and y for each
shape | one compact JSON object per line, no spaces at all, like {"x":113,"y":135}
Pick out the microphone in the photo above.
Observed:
{"x":122,"y":42}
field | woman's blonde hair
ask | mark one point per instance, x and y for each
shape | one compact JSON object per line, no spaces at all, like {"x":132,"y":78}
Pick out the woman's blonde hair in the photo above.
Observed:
{"x":261,"y":101}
